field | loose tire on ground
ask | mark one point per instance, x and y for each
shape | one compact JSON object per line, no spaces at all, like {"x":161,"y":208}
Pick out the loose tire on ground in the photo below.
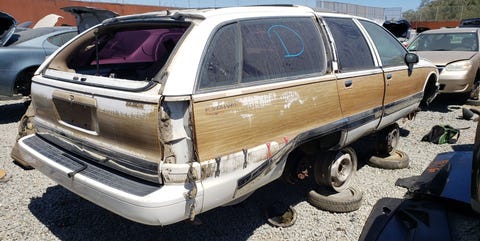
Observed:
{"x":396,"y":160}
{"x":339,"y":202}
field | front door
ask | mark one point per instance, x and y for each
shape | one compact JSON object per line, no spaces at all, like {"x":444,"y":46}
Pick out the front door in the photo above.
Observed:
{"x":403,"y":89}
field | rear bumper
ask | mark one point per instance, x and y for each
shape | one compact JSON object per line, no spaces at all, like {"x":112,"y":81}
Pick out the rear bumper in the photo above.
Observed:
{"x":133,"y":199}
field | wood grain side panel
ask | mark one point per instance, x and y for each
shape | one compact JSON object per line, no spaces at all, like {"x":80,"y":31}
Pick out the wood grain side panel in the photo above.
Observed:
{"x":401,"y":85}
{"x":364,"y":93}
{"x":229,"y":124}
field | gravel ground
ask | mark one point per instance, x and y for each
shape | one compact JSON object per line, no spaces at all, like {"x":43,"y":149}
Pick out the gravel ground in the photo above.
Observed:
{"x":32,"y":207}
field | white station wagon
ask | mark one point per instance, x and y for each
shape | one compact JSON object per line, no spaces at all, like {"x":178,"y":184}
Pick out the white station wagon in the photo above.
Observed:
{"x":161,"y":116}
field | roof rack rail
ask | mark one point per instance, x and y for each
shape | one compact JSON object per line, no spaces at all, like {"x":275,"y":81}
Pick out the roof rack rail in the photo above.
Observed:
{"x":273,"y":5}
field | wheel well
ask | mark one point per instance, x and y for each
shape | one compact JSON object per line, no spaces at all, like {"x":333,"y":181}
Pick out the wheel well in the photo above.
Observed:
{"x":477,"y":76}
{"x":298,"y":162}
{"x":23,"y":81}
{"x":430,"y":91}
{"x":323,"y":143}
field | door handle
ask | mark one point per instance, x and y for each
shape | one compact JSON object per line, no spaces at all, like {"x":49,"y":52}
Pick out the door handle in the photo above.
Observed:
{"x":348,"y":83}
{"x":389,"y":76}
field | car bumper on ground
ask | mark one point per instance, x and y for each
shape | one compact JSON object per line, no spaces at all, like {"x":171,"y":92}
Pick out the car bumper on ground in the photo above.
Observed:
{"x":142,"y":202}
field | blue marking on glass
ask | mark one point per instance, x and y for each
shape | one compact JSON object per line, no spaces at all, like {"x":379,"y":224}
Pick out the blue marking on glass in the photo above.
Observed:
{"x":288,"y":54}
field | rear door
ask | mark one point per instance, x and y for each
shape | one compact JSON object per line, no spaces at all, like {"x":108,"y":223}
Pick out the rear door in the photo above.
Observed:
{"x":360,"y":81}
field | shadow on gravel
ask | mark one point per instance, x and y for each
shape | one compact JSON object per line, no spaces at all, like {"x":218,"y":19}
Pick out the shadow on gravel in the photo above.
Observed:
{"x":445,"y":103}
{"x":69,"y":217}
{"x":11,"y":112}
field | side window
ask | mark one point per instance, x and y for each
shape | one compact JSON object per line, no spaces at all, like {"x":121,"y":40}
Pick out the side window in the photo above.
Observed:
{"x":270,"y":49}
{"x":220,"y":67}
{"x":352,"y":48}
{"x":392,"y":53}
{"x":278,"y":48}
{"x":61,"y":39}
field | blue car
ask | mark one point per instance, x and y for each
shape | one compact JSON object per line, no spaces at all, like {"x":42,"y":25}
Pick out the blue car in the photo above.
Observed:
{"x":22,"y":50}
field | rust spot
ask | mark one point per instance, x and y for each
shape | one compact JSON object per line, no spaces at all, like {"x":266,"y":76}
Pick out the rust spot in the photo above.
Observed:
{"x":436,"y":166}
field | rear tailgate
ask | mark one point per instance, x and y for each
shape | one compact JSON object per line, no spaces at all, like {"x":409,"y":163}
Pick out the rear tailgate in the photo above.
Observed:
{"x":99,"y":96}
{"x":114,"y":127}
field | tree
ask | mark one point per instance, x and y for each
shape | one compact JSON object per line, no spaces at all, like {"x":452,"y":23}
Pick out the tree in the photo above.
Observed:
{"x":437,"y":10}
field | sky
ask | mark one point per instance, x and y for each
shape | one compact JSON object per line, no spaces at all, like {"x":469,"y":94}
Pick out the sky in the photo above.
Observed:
{"x":405,"y":4}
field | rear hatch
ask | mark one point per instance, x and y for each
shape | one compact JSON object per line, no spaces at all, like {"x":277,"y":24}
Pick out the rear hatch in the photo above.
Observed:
{"x":87,"y":17}
{"x":400,"y":29}
{"x":99,"y":96}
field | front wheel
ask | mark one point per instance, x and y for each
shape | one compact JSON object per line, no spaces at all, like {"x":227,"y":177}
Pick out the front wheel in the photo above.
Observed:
{"x":335,"y":169}
{"x":388,"y":139}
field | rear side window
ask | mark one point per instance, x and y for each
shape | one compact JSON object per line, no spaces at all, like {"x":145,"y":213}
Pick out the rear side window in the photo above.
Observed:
{"x":392,"y":53}
{"x":352,"y":48}
{"x":221,"y":65}
{"x":263,"y":50}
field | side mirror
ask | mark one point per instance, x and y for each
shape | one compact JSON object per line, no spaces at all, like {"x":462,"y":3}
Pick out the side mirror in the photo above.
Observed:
{"x":410,"y":60}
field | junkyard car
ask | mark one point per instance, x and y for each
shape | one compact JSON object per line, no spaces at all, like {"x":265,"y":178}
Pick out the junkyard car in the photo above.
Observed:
{"x":455,"y":53}
{"x":24,"y":49}
{"x":161,"y":116}
{"x":401,"y":29}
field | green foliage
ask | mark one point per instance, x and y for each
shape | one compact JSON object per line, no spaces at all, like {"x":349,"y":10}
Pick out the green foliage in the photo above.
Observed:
{"x":444,"y":10}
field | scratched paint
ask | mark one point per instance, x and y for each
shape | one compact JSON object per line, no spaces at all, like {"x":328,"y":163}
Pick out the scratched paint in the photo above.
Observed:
{"x":127,"y":109}
{"x":235,"y":162}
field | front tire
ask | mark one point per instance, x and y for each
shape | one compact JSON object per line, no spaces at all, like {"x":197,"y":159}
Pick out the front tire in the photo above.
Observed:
{"x":387,"y":139}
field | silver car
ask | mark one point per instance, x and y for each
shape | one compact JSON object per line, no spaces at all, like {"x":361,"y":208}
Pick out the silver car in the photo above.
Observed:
{"x":22,"y":49}
{"x":455,"y":53}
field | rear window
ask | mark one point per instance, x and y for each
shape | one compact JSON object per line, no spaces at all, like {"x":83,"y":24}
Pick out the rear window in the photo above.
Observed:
{"x":25,"y":34}
{"x":125,"y":53}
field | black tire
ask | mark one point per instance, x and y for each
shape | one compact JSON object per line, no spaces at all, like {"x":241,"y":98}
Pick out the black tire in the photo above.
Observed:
{"x":387,"y":139}
{"x":396,"y":160}
{"x":473,"y":102}
{"x":335,"y":169}
{"x":339,"y":202}
{"x":24,"y":81}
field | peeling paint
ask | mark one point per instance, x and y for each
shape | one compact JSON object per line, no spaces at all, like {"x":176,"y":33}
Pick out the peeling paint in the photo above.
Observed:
{"x":290,"y":97}
{"x":257,"y":101}
{"x":249,"y":117}
{"x":236,"y":161}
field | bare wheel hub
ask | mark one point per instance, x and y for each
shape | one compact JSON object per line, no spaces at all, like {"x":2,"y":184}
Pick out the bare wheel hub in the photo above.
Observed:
{"x":335,"y":170}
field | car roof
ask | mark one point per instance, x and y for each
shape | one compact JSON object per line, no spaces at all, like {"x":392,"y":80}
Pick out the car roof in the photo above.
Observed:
{"x":451,"y":30}
{"x":232,"y":13}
